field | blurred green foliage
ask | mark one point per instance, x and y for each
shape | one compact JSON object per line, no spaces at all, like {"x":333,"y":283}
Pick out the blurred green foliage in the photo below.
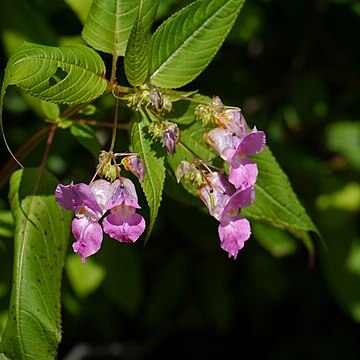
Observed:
{"x":292,"y":66}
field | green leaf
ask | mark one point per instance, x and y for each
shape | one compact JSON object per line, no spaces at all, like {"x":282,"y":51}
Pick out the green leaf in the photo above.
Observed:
{"x":41,"y":235}
{"x":153,"y":156}
{"x":276,"y":203}
{"x":86,"y":136}
{"x":109,"y":22}
{"x":50,"y":110}
{"x":184,"y":45}
{"x":136,"y":61}
{"x":80,"y":7}
{"x":84,"y":279}
{"x":71,"y":74}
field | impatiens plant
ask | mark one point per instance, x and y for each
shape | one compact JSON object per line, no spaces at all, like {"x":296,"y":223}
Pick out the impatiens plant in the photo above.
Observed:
{"x":209,"y":148}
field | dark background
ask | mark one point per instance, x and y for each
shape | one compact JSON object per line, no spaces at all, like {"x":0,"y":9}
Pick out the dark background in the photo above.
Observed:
{"x":293,"y":68}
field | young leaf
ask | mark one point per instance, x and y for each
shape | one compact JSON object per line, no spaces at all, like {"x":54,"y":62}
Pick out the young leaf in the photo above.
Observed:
{"x":41,"y":235}
{"x":184,"y":45}
{"x":109,"y":22}
{"x":153,"y":157}
{"x":136,"y":61}
{"x":276,"y":203}
{"x":71,"y":74}
{"x":86,"y":136}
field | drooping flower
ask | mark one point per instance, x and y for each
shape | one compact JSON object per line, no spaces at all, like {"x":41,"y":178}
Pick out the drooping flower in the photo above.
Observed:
{"x":123,"y":223}
{"x":234,"y":147}
{"x":90,"y":203}
{"x":224,"y":203}
{"x":233,"y":229}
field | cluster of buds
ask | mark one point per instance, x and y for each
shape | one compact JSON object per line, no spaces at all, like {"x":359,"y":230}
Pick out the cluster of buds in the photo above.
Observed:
{"x":148,"y":96}
{"x":90,"y":202}
{"x":225,"y":196}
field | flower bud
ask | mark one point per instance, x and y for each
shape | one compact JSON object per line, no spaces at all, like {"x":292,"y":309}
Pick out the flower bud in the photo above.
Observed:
{"x":170,"y":136}
{"x":134,"y":164}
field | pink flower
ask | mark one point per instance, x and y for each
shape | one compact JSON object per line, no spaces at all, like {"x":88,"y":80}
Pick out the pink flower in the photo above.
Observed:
{"x":224,"y":204}
{"x":234,"y":230}
{"x":90,"y":203}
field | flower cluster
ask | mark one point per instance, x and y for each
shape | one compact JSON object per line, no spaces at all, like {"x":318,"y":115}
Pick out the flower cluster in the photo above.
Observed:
{"x":91,"y":202}
{"x":225,"y":196}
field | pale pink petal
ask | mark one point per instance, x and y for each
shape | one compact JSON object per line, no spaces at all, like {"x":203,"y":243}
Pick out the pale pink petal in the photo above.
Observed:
{"x":122,"y":192}
{"x":233,"y":120}
{"x":124,"y":229}
{"x":233,"y":234}
{"x":101,"y":189}
{"x":89,"y":236}
{"x":224,"y":142}
{"x":243,"y":173}
{"x":216,"y":194}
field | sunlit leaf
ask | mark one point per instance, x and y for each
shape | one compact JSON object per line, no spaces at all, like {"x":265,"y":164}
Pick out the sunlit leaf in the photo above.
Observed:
{"x":42,"y":231}
{"x":69,"y":74}
{"x":109,"y":22}
{"x":153,"y":156}
{"x":184,"y":45}
{"x":136,"y":61}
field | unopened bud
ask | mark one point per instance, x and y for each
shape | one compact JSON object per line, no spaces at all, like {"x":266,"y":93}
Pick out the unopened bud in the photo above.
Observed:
{"x":134,"y":164}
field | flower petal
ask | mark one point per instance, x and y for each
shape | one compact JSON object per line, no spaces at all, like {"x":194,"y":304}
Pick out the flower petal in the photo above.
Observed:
{"x":224,"y":142}
{"x":101,"y":190}
{"x":252,"y":143}
{"x":89,"y":237}
{"x":123,"y":192}
{"x":74,"y":196}
{"x":239,"y":200}
{"x":233,"y":234}
{"x":124,"y":229}
{"x":243,"y":173}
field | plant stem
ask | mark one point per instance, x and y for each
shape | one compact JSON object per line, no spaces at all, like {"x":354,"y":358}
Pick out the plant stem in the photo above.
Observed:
{"x":113,"y":70}
{"x":49,"y":141}
{"x":113,"y":137}
{"x":100,"y":123}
